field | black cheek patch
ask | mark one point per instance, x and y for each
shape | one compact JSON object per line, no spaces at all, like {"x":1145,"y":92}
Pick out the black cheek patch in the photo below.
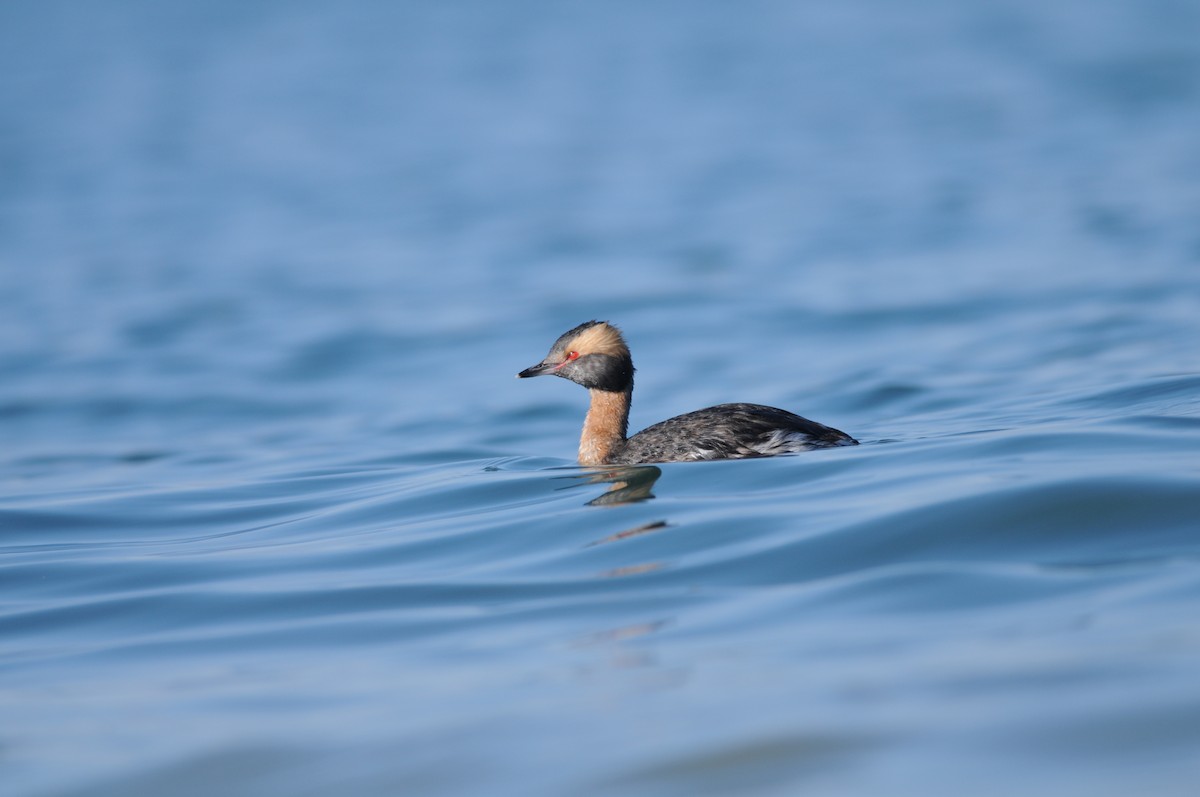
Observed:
{"x":604,"y":372}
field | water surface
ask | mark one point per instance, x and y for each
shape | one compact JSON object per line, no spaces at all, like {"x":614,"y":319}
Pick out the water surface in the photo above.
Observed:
{"x":276,"y":518}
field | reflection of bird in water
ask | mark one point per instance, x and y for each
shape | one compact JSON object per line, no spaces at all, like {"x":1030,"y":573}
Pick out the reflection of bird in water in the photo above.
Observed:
{"x":629,"y":484}
{"x":595,"y":355}
{"x":636,"y":531}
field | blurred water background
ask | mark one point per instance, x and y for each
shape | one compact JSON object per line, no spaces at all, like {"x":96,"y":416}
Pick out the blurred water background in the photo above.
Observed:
{"x":275,"y":518}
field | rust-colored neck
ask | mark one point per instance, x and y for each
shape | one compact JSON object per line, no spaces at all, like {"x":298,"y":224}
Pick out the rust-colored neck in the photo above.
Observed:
{"x":605,"y":426}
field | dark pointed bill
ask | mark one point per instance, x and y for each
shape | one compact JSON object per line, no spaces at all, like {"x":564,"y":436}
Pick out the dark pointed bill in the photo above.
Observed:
{"x":537,"y":370}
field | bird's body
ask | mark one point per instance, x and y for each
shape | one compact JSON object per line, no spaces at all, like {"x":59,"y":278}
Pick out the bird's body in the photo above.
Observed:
{"x":595,"y":355}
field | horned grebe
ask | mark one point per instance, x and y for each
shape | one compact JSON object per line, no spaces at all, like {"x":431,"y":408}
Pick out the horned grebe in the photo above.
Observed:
{"x":595,"y":355}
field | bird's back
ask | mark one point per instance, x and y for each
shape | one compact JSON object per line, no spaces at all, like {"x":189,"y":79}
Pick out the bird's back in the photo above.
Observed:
{"x":728,"y":431}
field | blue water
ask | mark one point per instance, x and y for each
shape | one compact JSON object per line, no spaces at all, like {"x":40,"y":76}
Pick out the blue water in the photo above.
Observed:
{"x":275,"y":517}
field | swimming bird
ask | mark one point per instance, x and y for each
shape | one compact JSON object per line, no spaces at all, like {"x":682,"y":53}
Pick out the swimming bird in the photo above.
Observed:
{"x":595,"y":355}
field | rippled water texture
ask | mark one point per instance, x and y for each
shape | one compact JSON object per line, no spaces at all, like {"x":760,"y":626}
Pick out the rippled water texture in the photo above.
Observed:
{"x":275,"y":517}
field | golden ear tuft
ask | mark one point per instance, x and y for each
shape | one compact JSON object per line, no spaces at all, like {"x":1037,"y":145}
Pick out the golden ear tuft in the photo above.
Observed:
{"x":603,"y":338}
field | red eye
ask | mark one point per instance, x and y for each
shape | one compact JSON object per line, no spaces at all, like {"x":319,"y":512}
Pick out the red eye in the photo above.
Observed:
{"x":571,"y":355}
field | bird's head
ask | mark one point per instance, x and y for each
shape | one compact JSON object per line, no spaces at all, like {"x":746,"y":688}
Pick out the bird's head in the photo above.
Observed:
{"x":592,"y":354}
